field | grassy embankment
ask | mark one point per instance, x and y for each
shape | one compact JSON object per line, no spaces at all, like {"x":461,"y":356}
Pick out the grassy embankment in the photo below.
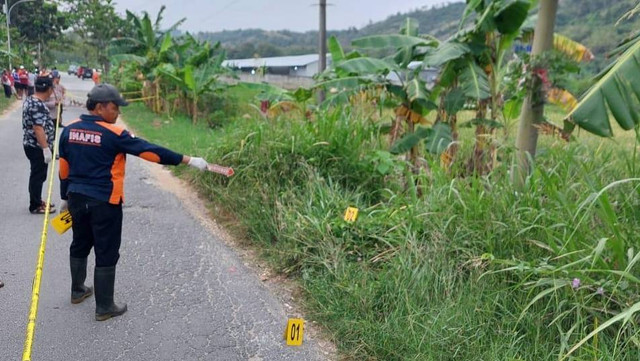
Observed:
{"x":412,"y":278}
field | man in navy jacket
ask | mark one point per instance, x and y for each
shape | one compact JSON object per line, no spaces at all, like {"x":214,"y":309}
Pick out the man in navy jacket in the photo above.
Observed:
{"x":92,"y":166}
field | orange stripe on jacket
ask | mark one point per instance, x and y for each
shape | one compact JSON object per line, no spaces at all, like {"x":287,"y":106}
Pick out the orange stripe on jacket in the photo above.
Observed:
{"x":114,"y":128}
{"x":150,"y":156}
{"x":64,"y":169}
{"x":117,"y":178}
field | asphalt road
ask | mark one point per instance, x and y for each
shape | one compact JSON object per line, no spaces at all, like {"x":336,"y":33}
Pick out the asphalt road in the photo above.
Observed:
{"x":189,"y":295}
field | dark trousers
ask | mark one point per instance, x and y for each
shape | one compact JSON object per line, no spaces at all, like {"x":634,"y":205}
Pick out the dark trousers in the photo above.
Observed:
{"x":95,"y":224}
{"x":7,"y":90}
{"x":37,"y":176}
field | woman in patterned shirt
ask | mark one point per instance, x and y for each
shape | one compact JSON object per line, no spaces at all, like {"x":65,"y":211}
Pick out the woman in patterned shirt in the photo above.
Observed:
{"x":38,"y":137}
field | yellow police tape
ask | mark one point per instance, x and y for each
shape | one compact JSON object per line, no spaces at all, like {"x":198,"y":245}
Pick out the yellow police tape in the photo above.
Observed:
{"x":35,"y":292}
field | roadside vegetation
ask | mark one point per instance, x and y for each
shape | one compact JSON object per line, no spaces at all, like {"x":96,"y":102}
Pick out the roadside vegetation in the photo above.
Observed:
{"x":415,"y":278}
{"x":452,"y":257}
{"x":5,"y":103}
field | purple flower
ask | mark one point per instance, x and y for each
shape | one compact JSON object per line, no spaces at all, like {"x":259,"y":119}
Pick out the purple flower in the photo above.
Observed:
{"x":600,"y":291}
{"x":575,"y":283}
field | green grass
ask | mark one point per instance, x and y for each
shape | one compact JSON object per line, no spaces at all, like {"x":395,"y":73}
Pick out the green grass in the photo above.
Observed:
{"x":5,"y":103}
{"x":450,"y":275}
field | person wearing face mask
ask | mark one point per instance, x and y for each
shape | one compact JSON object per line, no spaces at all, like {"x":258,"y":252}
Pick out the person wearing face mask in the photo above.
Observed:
{"x":38,"y":136}
{"x":92,"y":168}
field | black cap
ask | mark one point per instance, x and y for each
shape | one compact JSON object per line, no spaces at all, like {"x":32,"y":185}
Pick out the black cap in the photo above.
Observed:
{"x":104,"y":93}
{"x":43,"y":82}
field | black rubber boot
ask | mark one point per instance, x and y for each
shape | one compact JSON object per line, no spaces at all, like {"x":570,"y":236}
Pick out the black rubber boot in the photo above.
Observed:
{"x":103,"y":280}
{"x":78,"y":275}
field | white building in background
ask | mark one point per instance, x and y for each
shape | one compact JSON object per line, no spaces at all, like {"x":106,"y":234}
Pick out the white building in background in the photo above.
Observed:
{"x":292,"y":72}
{"x":296,"y":65}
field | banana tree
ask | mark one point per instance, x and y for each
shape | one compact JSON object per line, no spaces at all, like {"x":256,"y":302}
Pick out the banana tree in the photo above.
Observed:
{"x":198,"y":76}
{"x":472,"y":64}
{"x":398,"y":75}
{"x":149,"y":43}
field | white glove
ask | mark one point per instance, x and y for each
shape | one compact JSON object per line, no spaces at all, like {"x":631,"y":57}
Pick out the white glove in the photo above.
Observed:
{"x":64,"y":206}
{"x":47,"y":155}
{"x":198,"y":162}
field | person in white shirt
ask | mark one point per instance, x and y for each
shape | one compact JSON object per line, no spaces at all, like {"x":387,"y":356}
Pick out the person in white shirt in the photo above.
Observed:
{"x":32,"y":84}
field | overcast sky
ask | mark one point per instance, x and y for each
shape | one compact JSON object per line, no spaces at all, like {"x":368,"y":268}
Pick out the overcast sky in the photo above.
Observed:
{"x":296,"y":15}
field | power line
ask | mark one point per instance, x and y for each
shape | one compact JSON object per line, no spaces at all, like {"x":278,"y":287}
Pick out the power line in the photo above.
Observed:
{"x":216,"y":12}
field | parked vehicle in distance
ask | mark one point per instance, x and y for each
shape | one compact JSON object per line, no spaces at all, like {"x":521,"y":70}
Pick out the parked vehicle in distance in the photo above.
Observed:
{"x":87,"y":73}
{"x":72,"y":69}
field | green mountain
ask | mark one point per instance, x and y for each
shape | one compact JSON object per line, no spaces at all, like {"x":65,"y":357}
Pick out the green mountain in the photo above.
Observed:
{"x":591,"y":22}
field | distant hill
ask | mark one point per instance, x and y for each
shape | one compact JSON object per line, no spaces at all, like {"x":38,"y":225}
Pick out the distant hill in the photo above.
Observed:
{"x":591,"y":22}
{"x":438,"y":21}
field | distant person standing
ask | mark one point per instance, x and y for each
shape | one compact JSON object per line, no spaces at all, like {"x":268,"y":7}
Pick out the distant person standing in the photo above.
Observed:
{"x":31,"y":85}
{"x":38,"y":136}
{"x":95,"y":77}
{"x":24,"y":81}
{"x":6,"y":83}
{"x":13,"y":85}
{"x":56,"y":98}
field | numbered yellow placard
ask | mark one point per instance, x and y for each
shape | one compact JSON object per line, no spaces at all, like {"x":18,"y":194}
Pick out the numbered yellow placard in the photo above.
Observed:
{"x":351,"y":214}
{"x":294,"y":332}
{"x":62,"y":222}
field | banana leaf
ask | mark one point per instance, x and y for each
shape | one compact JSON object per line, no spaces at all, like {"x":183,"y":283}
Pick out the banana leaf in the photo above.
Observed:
{"x":342,"y":83}
{"x":616,"y":92}
{"x":337,"y":54}
{"x":472,"y":5}
{"x":169,"y":71}
{"x":416,"y":89}
{"x":439,"y":138}
{"x":391,"y":41}
{"x":511,"y":15}
{"x":446,"y":52}
{"x":410,"y":27}
{"x":167,"y":41}
{"x":572,"y":48}
{"x":454,"y":101}
{"x":366,"y":66}
{"x":410,"y":140}
{"x":337,"y":100}
{"x":189,"y":78}
{"x":474,"y":82}
{"x":302,"y":94}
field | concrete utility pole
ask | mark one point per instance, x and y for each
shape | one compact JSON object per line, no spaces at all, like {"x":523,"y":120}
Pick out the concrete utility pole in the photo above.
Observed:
{"x":322,"y":48}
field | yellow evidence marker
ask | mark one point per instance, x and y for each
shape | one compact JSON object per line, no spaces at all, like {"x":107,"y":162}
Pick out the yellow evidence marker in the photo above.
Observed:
{"x":351,"y":214}
{"x":62,"y":222}
{"x":295,"y":330}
